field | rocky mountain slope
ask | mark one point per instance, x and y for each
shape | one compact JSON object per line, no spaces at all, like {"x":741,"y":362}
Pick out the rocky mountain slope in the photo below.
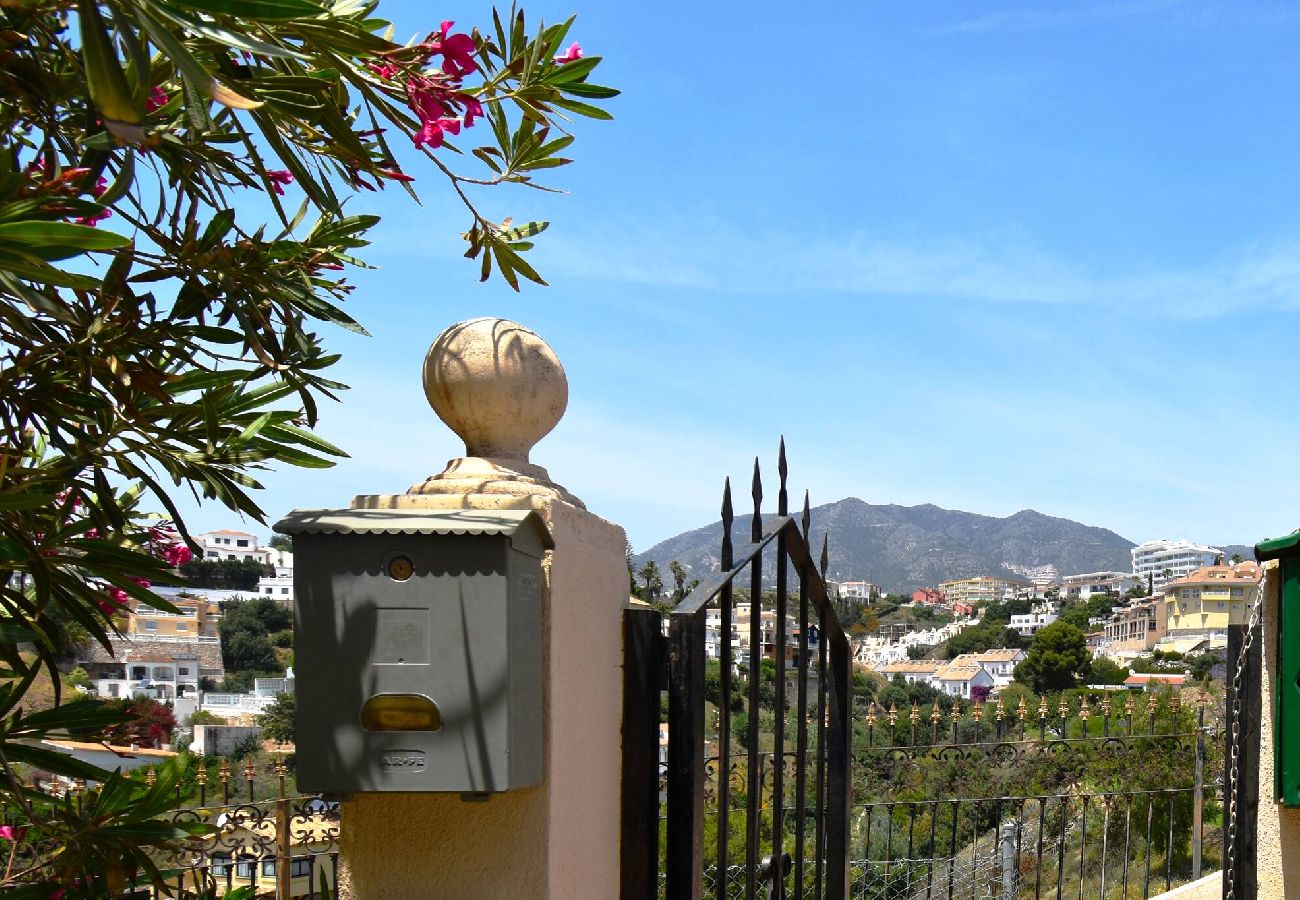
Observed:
{"x":905,"y":547}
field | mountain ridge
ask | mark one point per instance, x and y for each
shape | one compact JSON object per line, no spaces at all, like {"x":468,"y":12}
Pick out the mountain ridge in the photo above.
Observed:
{"x":902,"y":548}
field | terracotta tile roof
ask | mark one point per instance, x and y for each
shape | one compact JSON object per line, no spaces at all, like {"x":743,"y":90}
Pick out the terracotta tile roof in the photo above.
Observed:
{"x":955,"y":672}
{"x":228,"y":531}
{"x":913,"y":665}
{"x":1242,"y":573}
{"x":1005,"y":654}
{"x":1159,"y":679}
{"x":113,"y":748}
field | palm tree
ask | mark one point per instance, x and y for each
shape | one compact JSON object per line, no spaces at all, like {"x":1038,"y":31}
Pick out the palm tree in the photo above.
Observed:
{"x":654,"y":584}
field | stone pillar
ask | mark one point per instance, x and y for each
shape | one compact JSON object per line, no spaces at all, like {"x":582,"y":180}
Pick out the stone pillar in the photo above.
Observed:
{"x":501,"y":389}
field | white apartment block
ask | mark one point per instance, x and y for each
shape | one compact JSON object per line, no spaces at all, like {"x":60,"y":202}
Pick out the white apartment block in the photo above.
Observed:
{"x":1165,"y":561}
{"x":233,"y":545}
{"x":1040,"y":616}
{"x":1082,"y":587}
{"x":859,"y":590}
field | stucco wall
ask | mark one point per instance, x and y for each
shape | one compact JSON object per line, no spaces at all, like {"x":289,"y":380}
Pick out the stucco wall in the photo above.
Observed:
{"x":208,"y":653}
{"x":560,"y":839}
{"x":221,"y":740}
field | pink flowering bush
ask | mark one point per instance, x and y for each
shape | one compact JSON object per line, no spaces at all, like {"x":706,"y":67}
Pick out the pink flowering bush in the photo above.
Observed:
{"x":174,"y":253}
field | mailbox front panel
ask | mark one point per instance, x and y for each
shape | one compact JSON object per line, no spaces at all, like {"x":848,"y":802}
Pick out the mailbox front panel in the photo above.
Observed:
{"x":418,"y":663}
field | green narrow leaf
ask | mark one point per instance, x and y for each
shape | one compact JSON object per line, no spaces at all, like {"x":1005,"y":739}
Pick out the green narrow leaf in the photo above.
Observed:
{"x":592,"y":91}
{"x":61,"y":234}
{"x":254,"y":9}
{"x":122,"y":183}
{"x":218,"y":227}
{"x":582,"y":109}
{"x":573,"y":71}
{"x":518,"y":263}
{"x":528,"y":229}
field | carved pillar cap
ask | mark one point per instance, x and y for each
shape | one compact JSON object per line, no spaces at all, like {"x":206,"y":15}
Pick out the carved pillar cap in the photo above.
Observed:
{"x":501,"y":389}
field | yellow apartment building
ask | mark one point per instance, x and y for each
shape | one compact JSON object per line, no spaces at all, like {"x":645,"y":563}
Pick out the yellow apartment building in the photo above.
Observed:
{"x":198,"y":619}
{"x":982,"y":589}
{"x":1211,"y":598}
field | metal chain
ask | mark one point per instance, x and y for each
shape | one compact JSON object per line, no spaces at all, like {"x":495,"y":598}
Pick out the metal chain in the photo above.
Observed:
{"x":1234,"y":747}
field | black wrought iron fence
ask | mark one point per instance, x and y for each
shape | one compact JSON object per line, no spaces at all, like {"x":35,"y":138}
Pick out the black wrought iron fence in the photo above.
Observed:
{"x":285,"y":847}
{"x":797,"y":709}
{"x":936,"y":791}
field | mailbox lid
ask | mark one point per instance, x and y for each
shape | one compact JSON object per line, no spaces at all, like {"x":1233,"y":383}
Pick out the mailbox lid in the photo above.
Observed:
{"x":524,"y":527}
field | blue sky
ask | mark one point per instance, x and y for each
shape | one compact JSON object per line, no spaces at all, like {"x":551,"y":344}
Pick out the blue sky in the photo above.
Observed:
{"x":989,"y":256}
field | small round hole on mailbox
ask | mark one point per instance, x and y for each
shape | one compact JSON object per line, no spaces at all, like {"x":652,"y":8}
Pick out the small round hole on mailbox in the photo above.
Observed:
{"x":399,"y":568}
{"x":400,"y":712}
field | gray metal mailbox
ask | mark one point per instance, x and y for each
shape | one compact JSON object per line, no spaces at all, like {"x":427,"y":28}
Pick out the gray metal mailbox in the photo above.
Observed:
{"x":417,"y":649}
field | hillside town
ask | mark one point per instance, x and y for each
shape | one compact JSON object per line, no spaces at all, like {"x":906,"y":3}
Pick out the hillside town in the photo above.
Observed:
{"x":186,"y":660}
{"x":1177,"y":601}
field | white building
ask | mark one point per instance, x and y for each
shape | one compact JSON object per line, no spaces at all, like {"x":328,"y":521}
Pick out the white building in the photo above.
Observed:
{"x":1164,"y":561}
{"x":999,"y":664}
{"x":280,"y":585}
{"x":1040,"y":616}
{"x":913,"y":671}
{"x":230,"y":706}
{"x":859,"y":590}
{"x":1082,"y":587}
{"x":159,"y":676}
{"x":234,"y":545}
{"x":959,"y":678}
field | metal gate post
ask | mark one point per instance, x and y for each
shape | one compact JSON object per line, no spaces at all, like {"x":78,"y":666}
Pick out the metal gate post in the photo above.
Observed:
{"x":643,"y":677}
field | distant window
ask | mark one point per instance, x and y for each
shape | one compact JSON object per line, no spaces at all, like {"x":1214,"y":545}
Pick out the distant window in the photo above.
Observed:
{"x":268,"y":866}
{"x":284,"y":590}
{"x":182,"y":626}
{"x":113,"y":690}
{"x":241,"y":543}
{"x":1236,"y":592}
{"x":138,"y":672}
{"x":244,"y":869}
{"x":300,"y":867}
{"x":213,"y":553}
{"x":183,"y":670}
{"x":220,"y":863}
{"x":150,"y":625}
{"x":270,"y":590}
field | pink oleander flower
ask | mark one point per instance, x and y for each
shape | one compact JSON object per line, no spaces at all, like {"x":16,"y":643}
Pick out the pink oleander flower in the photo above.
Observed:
{"x":573,"y":54}
{"x":94,"y":218}
{"x":438,"y":104}
{"x":7,"y":832}
{"x":156,"y":100}
{"x":473,"y":109}
{"x":278,"y":178}
{"x":384,"y":70}
{"x":457,"y":51}
{"x":101,"y":185}
{"x":432,"y":131}
{"x":177,"y":555}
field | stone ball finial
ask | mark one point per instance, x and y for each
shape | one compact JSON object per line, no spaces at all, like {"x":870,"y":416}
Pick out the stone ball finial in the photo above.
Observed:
{"x":498,"y":385}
